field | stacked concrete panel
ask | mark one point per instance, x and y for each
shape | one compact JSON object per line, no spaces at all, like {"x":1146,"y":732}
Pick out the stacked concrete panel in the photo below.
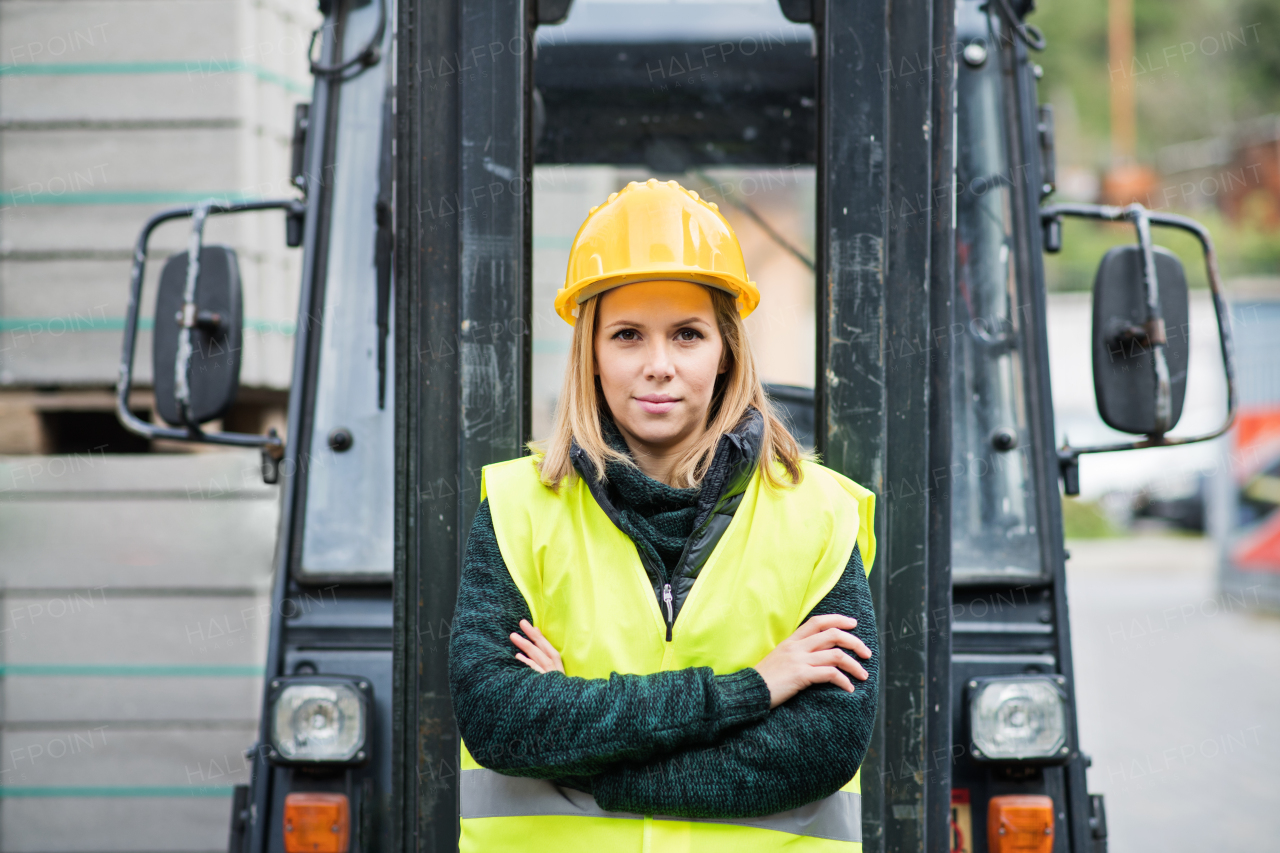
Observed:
{"x":133,"y":622}
{"x":132,"y":588}
{"x":111,"y":110}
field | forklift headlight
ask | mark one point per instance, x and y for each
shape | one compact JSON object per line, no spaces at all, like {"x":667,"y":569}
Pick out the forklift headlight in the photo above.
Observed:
{"x":1020,"y":718}
{"x":319,"y":719}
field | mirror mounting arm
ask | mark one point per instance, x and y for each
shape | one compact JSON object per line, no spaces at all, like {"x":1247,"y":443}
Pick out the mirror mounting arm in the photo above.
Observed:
{"x":1164,"y":394}
{"x":1152,"y":331}
{"x":190,"y":317}
{"x":182,"y":364}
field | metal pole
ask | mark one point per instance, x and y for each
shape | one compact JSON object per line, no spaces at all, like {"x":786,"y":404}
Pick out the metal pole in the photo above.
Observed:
{"x":885,"y":179}
{"x":462,"y":352}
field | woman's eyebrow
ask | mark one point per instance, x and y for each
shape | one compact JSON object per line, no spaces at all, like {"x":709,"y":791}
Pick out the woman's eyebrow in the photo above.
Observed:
{"x":623,"y":322}
{"x":687,"y":321}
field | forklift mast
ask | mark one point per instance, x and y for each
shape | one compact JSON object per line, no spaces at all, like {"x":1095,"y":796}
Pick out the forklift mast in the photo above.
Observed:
{"x":885,"y":134}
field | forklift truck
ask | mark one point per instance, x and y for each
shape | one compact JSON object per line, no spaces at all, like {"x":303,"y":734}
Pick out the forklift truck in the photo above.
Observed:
{"x":415,"y":164}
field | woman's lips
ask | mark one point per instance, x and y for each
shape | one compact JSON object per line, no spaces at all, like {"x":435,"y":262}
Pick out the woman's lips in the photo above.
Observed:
{"x":657,"y":404}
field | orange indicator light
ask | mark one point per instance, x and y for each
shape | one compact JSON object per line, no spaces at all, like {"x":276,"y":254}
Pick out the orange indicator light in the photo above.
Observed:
{"x":317,"y":823}
{"x":1020,"y":823}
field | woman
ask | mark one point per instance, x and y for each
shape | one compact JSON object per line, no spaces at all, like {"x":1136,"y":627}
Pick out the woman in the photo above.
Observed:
{"x":664,"y":637}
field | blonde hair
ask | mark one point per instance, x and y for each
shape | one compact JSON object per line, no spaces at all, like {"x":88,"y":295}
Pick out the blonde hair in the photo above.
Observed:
{"x":582,"y":405}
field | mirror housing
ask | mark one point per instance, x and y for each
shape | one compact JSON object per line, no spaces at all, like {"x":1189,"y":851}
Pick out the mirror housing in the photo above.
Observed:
{"x":198,"y":332}
{"x":1125,"y":380}
{"x":215,"y":324}
{"x":1139,"y":294}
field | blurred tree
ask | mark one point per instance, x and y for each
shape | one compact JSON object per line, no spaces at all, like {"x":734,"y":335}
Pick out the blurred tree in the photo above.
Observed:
{"x":1258,"y":67}
{"x":1190,"y":78}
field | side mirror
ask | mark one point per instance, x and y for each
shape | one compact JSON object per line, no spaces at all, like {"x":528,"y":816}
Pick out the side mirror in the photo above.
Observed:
{"x":197,"y":339}
{"x":196,"y":344}
{"x":1127,"y":376}
{"x":1140,"y":322}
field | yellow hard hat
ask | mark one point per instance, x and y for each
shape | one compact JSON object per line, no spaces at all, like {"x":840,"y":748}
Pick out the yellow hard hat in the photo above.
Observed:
{"x":651,"y":231}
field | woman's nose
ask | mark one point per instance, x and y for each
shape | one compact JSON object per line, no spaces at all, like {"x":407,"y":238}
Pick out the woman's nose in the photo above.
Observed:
{"x":660,"y":365}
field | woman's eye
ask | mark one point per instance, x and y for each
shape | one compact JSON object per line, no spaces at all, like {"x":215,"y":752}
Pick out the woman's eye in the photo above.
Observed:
{"x":687,"y":335}
{"x":626,"y":335}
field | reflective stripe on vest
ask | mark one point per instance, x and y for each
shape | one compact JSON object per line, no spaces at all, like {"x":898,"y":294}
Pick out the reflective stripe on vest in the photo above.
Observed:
{"x":589,"y":594}
{"x":486,"y":793}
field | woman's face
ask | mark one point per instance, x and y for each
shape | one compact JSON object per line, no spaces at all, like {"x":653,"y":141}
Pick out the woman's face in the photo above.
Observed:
{"x":658,"y":351}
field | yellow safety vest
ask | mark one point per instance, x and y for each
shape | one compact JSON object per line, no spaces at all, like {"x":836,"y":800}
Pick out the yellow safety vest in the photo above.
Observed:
{"x":585,"y":585}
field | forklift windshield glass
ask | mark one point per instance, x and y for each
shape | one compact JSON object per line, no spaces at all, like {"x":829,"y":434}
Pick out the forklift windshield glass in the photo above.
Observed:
{"x":719,"y":96}
{"x":993,"y":521}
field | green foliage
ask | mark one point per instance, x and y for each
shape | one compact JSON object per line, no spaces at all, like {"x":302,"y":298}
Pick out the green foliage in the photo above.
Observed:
{"x":1198,"y":66}
{"x":1083,"y":519}
{"x":1075,"y":66}
{"x":1258,"y":69}
{"x":1244,"y":249}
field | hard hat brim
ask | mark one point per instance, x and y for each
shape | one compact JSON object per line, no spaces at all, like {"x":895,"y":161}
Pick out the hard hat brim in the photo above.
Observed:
{"x":567,"y":301}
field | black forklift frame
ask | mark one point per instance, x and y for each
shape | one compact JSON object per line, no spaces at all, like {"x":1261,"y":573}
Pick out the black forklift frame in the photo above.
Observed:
{"x":1026,"y":146}
{"x":880,"y":419}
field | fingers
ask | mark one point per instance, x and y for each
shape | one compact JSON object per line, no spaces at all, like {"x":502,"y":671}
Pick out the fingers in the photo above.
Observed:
{"x":523,"y":644}
{"x":836,"y":638}
{"x":837,"y":658}
{"x":818,"y":624}
{"x":832,"y":675}
{"x":537,"y":650}
{"x":543,"y":644}
{"x":533,"y":653}
{"x":529,"y":663}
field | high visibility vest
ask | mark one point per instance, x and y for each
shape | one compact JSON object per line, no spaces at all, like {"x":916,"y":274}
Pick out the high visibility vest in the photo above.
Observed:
{"x":588,"y":592}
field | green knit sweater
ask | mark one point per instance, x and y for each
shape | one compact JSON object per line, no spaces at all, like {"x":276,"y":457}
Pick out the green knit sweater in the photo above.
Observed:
{"x":685,"y":743}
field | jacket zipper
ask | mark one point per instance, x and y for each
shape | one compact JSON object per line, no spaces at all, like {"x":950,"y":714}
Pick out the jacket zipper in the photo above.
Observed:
{"x":671,"y":616}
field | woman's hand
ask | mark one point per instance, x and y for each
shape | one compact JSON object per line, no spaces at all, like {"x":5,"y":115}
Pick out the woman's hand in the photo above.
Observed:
{"x":538,"y":654}
{"x":812,"y":655}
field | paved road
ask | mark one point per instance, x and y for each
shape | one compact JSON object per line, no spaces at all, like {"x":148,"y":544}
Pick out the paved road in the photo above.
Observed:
{"x":1179,"y":698}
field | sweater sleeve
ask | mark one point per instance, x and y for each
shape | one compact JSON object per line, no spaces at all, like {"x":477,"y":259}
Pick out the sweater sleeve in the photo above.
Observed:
{"x":806,"y":749}
{"x":551,"y":726}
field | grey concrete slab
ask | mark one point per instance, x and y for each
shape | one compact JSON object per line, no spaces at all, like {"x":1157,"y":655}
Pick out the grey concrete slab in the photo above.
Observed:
{"x":79,"y":293}
{"x":105,"y":31}
{"x":197,"y":94}
{"x":65,"y":329}
{"x":168,"y":789}
{"x":138,"y":543}
{"x":103,"y":627}
{"x":1177,"y":693}
{"x":75,"y":287}
{"x":120,"y":161}
{"x":268,"y":359}
{"x":48,"y":302}
{"x":49,"y":700}
{"x":119,"y":825}
{"x":194,"y":476}
{"x":39,"y":354}
{"x":151,"y":537}
{"x":103,"y":756}
{"x":115,"y":227}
